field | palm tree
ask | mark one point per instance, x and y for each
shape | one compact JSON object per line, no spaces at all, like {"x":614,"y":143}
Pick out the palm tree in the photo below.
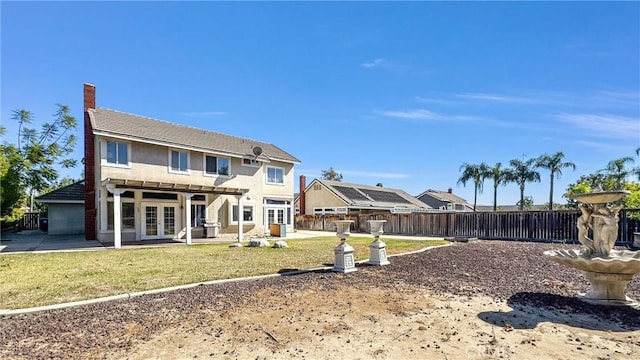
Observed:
{"x":636,"y":170}
{"x":476,"y":173}
{"x":617,"y":169}
{"x":499,"y":176}
{"x":554,"y":164}
{"x":522,"y":172}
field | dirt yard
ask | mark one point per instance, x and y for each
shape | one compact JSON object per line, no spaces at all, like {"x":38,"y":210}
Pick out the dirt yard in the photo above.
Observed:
{"x":481,"y":300}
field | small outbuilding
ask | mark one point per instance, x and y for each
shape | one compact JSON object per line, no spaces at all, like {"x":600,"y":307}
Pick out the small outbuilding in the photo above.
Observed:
{"x":65,"y":214}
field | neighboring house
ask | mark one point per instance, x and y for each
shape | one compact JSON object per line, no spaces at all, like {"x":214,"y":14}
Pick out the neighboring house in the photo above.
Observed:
{"x":65,"y":209}
{"x":151,"y":179}
{"x":444,"y":200}
{"x":323,"y":197}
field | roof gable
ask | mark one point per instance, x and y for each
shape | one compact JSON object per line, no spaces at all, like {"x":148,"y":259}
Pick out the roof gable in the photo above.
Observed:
{"x":119,"y":124}
{"x":443,"y":196}
{"x":73,"y":193}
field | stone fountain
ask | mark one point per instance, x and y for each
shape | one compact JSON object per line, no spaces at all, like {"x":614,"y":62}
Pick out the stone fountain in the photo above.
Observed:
{"x":608,"y":270}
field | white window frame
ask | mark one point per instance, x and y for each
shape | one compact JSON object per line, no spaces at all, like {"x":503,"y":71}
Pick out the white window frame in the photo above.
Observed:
{"x":204,"y":165}
{"x":103,"y":157}
{"x":254,"y":163}
{"x":267,"y":175}
{"x":244,"y":206}
{"x":122,"y":202}
{"x":288,"y":207}
{"x":206,"y":211}
{"x":171,"y":170}
{"x":330,"y":210}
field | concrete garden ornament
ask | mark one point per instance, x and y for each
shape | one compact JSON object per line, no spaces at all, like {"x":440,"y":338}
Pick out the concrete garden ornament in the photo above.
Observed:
{"x":377,"y":249}
{"x":344,"y":261}
{"x":608,"y":270}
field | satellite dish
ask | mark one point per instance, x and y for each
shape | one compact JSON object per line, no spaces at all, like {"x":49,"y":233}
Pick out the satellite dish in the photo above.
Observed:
{"x":257,"y":151}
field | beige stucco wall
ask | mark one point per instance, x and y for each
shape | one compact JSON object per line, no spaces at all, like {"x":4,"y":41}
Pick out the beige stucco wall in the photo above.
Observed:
{"x":320,"y":198}
{"x":151,"y":163}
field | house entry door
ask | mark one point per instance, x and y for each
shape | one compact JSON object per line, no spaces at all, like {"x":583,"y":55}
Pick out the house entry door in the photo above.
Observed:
{"x":159,"y":221}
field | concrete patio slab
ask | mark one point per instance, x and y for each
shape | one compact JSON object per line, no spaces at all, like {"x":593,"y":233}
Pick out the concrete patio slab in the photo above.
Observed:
{"x":39,"y":241}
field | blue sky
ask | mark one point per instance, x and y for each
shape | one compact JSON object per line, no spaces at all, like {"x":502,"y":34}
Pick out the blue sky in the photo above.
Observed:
{"x":397,"y":93}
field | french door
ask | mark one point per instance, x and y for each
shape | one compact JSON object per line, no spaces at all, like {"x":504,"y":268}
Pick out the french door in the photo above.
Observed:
{"x":275,"y":216}
{"x":159,"y":221}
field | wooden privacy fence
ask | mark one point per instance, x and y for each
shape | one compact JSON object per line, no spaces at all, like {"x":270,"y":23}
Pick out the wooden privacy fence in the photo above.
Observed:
{"x":30,"y":221}
{"x":557,"y":225}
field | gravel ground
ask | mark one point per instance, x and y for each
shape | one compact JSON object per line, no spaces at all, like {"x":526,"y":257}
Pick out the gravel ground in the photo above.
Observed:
{"x":508,"y":271}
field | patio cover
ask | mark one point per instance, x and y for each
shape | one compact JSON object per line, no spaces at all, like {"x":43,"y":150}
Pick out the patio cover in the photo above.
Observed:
{"x":170,"y":186}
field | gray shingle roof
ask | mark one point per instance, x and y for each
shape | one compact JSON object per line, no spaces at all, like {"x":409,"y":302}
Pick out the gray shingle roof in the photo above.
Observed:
{"x":445,"y":196}
{"x":368,"y":196}
{"x":71,"y":193}
{"x":116,"y":123}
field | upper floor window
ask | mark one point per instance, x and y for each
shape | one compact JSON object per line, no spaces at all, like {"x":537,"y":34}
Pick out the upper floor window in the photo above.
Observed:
{"x":214,"y":165}
{"x":179,"y":161}
{"x":250,"y":162}
{"x":117,"y":152}
{"x":455,"y":206}
{"x":275,"y":175}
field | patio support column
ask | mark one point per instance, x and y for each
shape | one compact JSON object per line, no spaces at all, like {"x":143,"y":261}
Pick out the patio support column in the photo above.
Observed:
{"x":240,"y":218}
{"x":103,"y":211}
{"x":187,"y":200}
{"x":117,"y":216}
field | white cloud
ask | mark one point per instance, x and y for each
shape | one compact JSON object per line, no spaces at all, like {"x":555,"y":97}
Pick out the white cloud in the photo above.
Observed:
{"x":597,"y":125}
{"x":368,"y":174}
{"x":353,"y":173}
{"x":496,"y":98}
{"x":375,"y":63}
{"x":202,"y":114}
{"x":422,"y":114}
{"x":434,"y":101}
{"x":616,"y":98}
{"x":600,"y":99}
{"x":609,"y":147}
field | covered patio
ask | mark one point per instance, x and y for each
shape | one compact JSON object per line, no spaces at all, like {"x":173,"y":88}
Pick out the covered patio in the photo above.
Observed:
{"x":117,"y":186}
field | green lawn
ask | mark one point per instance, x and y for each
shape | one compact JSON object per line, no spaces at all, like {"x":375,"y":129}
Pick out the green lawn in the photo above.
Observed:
{"x":29,"y":280}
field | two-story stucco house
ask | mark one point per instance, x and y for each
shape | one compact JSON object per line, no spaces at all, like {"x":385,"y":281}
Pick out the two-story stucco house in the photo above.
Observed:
{"x":152,"y":179}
